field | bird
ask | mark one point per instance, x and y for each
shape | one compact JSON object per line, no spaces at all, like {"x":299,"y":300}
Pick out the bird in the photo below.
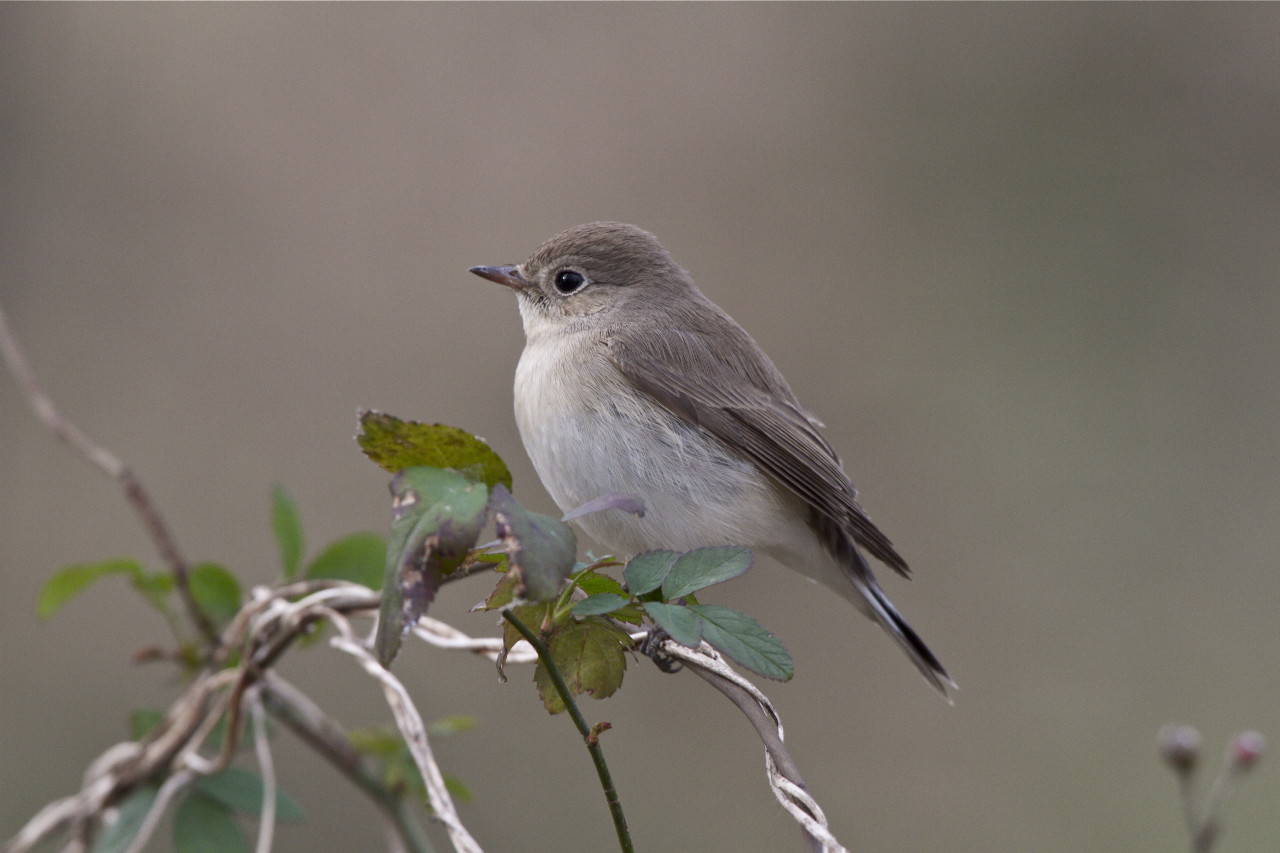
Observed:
{"x":633,"y":381}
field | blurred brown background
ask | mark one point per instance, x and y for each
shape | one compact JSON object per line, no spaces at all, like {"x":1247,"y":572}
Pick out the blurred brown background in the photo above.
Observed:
{"x":1021,"y":259}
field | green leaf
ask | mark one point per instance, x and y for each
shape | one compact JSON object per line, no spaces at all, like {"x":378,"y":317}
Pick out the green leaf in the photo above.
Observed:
{"x":242,"y":791}
{"x":400,"y":772}
{"x":142,"y":721}
{"x":457,"y":788}
{"x":647,"y":570}
{"x":540,"y":548}
{"x":597,"y":605}
{"x":358,"y":558}
{"x":215,"y":590}
{"x":451,"y":725}
{"x":589,"y":655}
{"x":436,"y":516}
{"x":395,"y":445}
{"x":66,"y":583}
{"x":132,"y":812}
{"x":380,"y":742}
{"x":631,"y":614}
{"x":745,"y":640}
{"x":503,"y":592}
{"x":287,"y":528}
{"x":204,"y":825}
{"x":678,"y":621}
{"x":387,"y":747}
{"x":592,"y":584}
{"x":703,"y":567}
{"x":155,"y":587}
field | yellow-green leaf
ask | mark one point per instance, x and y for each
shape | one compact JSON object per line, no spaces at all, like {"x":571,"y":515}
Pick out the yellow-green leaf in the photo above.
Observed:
{"x":66,"y":583}
{"x":395,"y":445}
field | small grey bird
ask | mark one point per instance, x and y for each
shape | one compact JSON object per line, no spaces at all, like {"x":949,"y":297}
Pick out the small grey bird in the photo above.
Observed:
{"x":632,"y":381}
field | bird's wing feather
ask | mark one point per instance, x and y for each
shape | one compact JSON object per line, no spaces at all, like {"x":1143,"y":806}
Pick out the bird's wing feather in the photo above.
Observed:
{"x":746,"y":403}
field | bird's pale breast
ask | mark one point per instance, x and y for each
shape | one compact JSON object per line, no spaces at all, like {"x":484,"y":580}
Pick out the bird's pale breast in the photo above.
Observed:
{"x":589,"y":432}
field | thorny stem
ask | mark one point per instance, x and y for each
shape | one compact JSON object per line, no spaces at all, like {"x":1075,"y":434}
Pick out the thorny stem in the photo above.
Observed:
{"x":589,"y":734}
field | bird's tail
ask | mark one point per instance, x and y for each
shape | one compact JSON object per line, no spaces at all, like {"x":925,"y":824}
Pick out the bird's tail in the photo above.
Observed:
{"x":879,"y":608}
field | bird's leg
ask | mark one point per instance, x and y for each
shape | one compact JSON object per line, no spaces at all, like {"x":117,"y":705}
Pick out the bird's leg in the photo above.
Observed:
{"x":651,"y":647}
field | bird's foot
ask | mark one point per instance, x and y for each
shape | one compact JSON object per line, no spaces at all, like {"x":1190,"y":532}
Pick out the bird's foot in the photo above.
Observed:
{"x":651,"y":647}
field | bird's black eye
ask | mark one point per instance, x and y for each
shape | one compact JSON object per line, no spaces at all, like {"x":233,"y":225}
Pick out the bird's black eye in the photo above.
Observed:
{"x":567,"y":281}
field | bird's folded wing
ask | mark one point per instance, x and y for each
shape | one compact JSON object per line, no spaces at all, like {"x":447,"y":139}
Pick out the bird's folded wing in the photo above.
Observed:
{"x":748,"y":406}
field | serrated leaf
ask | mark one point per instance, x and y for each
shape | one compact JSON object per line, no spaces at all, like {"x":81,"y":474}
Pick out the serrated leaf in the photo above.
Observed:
{"x":395,"y":445}
{"x":592,"y":584}
{"x":358,"y":558}
{"x":703,"y":567}
{"x":67,"y":582}
{"x":745,"y":640}
{"x":647,"y":570}
{"x":215,"y":590}
{"x":631,"y":614}
{"x":242,"y":791}
{"x":287,"y":529}
{"x":589,"y":656}
{"x":130,"y":815}
{"x":614,"y":500}
{"x":540,"y":548}
{"x":679,"y":622}
{"x":503,"y":592}
{"x":204,"y":825}
{"x":598,"y":605}
{"x":142,"y":721}
{"x":436,"y":517}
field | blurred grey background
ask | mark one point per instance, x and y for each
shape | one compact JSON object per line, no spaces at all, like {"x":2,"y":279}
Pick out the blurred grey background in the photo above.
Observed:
{"x":1021,"y":259}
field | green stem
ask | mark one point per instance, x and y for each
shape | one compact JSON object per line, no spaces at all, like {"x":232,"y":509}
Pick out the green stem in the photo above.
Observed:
{"x":589,"y":736}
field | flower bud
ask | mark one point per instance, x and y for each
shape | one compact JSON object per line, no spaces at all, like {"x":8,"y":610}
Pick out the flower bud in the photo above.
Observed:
{"x":1179,"y":746}
{"x":1246,"y":749}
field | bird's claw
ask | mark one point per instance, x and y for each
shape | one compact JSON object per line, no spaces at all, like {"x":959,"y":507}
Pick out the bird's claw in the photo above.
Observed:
{"x":651,"y":647}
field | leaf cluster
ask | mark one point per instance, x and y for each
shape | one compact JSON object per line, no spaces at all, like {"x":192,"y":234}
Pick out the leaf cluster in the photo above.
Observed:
{"x":357,"y":558}
{"x":580,"y":613}
{"x":448,"y":486}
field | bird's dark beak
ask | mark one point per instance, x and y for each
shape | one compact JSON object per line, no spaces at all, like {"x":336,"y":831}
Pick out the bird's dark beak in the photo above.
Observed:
{"x":503,"y":275}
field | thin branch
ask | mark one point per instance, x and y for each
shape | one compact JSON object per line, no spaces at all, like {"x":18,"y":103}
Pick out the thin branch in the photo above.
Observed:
{"x":262,"y":747}
{"x":172,"y":786}
{"x":137,"y":496}
{"x":589,"y":734}
{"x":783,"y":774}
{"x":1190,"y":806}
{"x":264,"y":629}
{"x":445,"y":636}
{"x":411,"y":727}
{"x":173,"y":747}
{"x":295,"y":710}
